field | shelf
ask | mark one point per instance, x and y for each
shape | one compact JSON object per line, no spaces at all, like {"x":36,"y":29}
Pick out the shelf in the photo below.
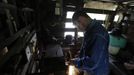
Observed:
{"x":16,"y":48}
{"x":11,"y":39}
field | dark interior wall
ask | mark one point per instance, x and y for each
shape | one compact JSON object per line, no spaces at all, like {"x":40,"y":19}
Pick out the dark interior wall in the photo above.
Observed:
{"x":46,"y":19}
{"x":130,"y":38}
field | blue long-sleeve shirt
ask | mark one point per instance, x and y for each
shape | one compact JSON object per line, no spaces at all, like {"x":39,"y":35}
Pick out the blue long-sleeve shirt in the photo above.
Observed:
{"x":95,"y":48}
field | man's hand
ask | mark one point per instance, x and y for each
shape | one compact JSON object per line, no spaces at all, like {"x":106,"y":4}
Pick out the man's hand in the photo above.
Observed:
{"x":74,"y":61}
{"x":129,"y":66}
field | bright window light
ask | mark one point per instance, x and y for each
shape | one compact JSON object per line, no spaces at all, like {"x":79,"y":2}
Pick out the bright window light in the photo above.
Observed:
{"x":80,"y":34}
{"x":69,"y":14}
{"x":116,"y":18}
{"x":92,"y":15}
{"x":68,"y":33}
{"x":69,"y":25}
{"x":97,"y":16}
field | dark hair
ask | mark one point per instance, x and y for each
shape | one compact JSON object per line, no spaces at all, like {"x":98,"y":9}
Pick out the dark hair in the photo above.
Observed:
{"x":116,"y":32}
{"x":79,"y":13}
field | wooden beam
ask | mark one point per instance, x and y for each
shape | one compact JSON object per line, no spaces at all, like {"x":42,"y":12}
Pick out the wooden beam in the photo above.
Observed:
{"x":69,"y":29}
{"x":68,"y":20}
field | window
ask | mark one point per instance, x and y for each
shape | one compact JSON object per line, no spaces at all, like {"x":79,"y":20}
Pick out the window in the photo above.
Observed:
{"x":69,"y":33}
{"x":116,"y":18}
{"x":69,"y":25}
{"x":80,"y":34}
{"x":69,"y":14}
{"x":92,"y":15}
{"x":97,"y":16}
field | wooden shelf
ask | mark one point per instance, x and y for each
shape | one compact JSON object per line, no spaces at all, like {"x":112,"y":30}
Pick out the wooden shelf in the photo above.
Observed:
{"x":18,"y":46}
{"x":11,"y":39}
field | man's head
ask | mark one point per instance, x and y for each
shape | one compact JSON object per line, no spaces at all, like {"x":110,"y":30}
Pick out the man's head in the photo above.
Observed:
{"x":81,"y":19}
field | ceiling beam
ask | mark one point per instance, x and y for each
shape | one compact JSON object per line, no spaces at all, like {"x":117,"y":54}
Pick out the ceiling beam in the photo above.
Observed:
{"x":68,"y":20}
{"x":69,"y":29}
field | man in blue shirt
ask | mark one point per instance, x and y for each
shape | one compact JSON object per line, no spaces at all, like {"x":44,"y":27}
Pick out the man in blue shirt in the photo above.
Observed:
{"x":93,"y":56}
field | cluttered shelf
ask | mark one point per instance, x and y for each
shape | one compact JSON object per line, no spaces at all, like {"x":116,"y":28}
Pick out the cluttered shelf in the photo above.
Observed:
{"x":18,"y":46}
{"x":11,"y":39}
